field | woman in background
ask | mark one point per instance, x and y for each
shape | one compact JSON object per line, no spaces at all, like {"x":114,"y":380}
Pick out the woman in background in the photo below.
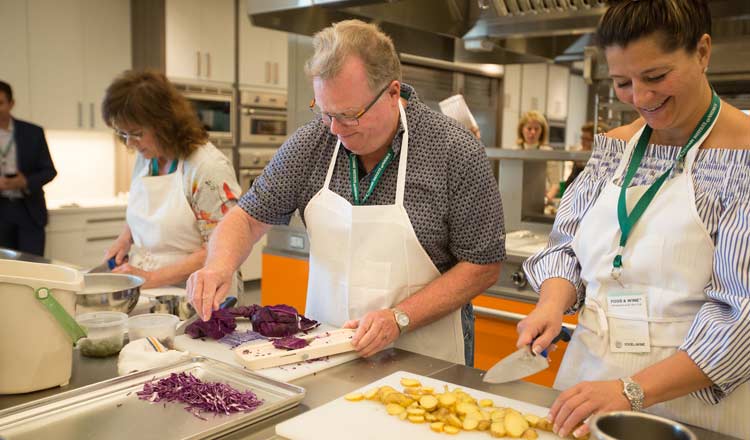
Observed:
{"x":651,"y":242}
{"x":587,"y":141}
{"x":181,"y":187}
{"x":533,"y":131}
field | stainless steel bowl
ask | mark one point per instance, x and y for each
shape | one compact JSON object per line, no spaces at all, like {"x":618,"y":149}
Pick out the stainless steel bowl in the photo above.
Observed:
{"x":108,"y":292}
{"x":177,"y":305}
{"x":629,"y":425}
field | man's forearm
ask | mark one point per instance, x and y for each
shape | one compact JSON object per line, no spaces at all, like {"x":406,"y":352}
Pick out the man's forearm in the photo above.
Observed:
{"x":449,"y":292}
{"x":233,"y":239}
{"x":178,"y":272}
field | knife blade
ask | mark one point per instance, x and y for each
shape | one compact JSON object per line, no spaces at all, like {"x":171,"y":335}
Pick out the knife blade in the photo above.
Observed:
{"x":522,"y":363}
{"x":230,"y":301}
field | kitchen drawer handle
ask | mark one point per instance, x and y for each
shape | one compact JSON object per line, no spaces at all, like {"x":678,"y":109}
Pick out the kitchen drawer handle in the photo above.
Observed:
{"x":268,"y":72}
{"x":91,"y":114}
{"x":105,"y":220}
{"x":198,"y":64}
{"x":80,"y":114}
{"x":275,"y":73}
{"x":208,"y":64}
{"x":108,"y":238}
{"x":508,"y":316}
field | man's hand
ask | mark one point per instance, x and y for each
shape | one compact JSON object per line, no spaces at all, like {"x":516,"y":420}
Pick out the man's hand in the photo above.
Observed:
{"x":375,"y":331}
{"x":206,"y":289}
{"x":16,"y":182}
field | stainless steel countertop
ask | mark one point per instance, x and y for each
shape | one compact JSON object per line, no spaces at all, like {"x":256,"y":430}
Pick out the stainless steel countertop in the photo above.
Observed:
{"x":332,"y":383}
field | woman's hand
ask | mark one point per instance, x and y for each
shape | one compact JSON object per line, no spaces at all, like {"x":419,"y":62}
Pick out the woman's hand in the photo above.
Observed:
{"x":574,"y":405}
{"x":148,"y":277}
{"x":119,"y":249}
{"x":540,"y":326}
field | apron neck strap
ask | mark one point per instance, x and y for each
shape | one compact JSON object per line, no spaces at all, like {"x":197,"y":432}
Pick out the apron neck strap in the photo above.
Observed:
{"x":403,"y":156}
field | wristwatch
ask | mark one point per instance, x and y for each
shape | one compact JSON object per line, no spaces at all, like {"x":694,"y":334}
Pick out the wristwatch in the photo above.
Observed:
{"x":633,"y":392}
{"x":402,"y":320}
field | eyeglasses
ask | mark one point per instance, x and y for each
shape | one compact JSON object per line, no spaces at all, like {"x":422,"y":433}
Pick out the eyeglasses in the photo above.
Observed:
{"x":125,"y":137}
{"x":347,"y":120}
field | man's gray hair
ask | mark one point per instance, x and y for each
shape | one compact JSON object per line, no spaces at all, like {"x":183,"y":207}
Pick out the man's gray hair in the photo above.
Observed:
{"x":334,"y":44}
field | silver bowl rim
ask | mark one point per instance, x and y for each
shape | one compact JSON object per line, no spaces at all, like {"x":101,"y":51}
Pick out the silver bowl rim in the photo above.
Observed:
{"x":135,"y":282}
{"x":638,"y":415}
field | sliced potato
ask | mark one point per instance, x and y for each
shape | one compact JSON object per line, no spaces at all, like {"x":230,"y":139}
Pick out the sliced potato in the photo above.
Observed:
{"x":470,"y":424}
{"x":544,"y":425}
{"x":515,"y":424}
{"x":354,"y":397}
{"x":530,"y":434}
{"x":409,"y":382}
{"x":497,"y":415}
{"x":484,"y":425}
{"x":486,"y":403}
{"x":453,"y":420}
{"x":497,"y":429}
{"x":370,"y":394}
{"x":437,"y":426}
{"x":415,"y":411}
{"x":430,"y":417}
{"x":402,"y":416}
{"x":449,"y":429}
{"x":532,"y":419}
{"x":428,"y":402}
{"x":416,"y":419}
{"x":446,"y":400}
{"x":394,"y":409}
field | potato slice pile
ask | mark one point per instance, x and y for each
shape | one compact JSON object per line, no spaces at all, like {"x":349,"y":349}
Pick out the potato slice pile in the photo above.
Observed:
{"x":453,"y":411}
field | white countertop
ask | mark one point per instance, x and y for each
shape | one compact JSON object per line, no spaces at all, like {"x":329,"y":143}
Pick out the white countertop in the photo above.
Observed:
{"x":73,"y":203}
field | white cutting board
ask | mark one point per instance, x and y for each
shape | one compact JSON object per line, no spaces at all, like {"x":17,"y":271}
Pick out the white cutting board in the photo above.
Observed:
{"x":367,"y":420}
{"x":222,"y":352}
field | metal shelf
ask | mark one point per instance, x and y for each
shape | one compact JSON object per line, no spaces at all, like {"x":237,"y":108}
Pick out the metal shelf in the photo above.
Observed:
{"x":540,"y":155}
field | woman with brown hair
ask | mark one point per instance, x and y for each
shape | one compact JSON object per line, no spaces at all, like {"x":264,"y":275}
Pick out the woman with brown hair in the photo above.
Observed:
{"x":651,"y":242}
{"x":182,"y":185}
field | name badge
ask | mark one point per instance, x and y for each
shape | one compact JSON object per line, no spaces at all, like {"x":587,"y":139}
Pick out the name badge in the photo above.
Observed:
{"x":627,"y":316}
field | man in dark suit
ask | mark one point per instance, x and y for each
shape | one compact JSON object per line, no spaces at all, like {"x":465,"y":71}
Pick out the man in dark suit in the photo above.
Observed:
{"x":25,"y":166}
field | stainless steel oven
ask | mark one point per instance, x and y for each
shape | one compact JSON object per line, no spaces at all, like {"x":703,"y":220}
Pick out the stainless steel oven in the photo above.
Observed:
{"x":252,"y":162}
{"x":215,"y":108}
{"x":264,"y":120}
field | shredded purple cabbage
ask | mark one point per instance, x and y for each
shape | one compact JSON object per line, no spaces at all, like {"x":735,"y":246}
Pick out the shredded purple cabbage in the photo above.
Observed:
{"x":290,"y":343}
{"x":222,"y":322}
{"x":276,"y":321}
{"x":200,"y":396}
{"x":236,"y":339}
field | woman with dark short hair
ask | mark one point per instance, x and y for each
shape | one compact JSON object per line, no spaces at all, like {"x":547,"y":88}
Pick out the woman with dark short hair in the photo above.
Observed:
{"x":651,"y":242}
{"x":182,"y":185}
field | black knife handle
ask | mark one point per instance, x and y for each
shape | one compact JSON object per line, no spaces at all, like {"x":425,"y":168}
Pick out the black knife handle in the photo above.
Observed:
{"x":563,"y":335}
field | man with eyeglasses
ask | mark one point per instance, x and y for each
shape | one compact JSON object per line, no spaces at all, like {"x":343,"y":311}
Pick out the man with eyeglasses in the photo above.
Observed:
{"x":25,"y":167}
{"x":401,"y":208}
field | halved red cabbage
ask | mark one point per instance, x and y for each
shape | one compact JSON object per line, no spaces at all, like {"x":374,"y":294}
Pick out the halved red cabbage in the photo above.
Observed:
{"x":222,"y":322}
{"x":276,"y":321}
{"x":200,"y":396}
{"x":290,"y":343}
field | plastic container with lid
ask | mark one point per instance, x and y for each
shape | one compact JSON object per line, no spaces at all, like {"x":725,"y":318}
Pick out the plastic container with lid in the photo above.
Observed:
{"x":161,"y":326}
{"x":106,"y":333}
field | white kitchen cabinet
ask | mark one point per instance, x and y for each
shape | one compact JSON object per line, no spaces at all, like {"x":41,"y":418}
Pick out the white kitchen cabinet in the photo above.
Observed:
{"x":263,"y":55}
{"x":15,"y":73}
{"x":557,"y":93}
{"x":200,"y":40}
{"x":533,"y":87}
{"x":512,"y":88}
{"x":75,"y":49}
{"x":81,"y":236}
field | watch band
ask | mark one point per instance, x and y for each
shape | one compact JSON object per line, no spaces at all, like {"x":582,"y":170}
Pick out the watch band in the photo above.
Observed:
{"x":402,"y":320}
{"x":633,"y":392}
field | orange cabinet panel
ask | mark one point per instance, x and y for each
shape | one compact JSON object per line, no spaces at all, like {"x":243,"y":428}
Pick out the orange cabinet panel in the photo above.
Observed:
{"x":284,"y":281}
{"x":496,"y":338}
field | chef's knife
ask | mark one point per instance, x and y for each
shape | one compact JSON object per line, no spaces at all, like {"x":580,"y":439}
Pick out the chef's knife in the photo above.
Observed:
{"x":230,"y":301}
{"x":521,"y":363}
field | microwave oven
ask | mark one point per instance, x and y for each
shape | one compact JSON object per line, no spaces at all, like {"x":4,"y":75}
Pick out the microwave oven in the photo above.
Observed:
{"x":263,"y":118}
{"x":214,"y":107}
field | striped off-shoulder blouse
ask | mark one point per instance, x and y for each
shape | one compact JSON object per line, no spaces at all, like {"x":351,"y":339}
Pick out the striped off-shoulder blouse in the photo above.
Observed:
{"x":722,"y":196}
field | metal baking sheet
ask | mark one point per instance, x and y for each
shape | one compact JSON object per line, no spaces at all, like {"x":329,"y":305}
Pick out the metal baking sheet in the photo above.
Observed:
{"x":112,"y":410}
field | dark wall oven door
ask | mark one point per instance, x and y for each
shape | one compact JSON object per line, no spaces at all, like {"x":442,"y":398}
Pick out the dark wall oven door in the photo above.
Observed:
{"x":263,"y":127}
{"x":216,"y":112}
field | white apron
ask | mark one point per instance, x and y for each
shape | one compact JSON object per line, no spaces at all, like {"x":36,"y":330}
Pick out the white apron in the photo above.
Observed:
{"x":669,"y":258}
{"x":367,"y":258}
{"x":161,"y":221}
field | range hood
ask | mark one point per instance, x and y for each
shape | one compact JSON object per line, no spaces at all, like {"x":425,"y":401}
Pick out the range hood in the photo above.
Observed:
{"x":482,"y":31}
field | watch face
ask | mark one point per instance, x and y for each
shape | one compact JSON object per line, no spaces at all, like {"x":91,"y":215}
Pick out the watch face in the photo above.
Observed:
{"x":402,"y":319}
{"x":633,"y":390}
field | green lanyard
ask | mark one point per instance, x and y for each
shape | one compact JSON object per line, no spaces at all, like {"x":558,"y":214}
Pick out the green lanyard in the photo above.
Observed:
{"x":354,"y":175}
{"x":628,"y":221}
{"x":155,"y":167}
{"x":7,"y":147}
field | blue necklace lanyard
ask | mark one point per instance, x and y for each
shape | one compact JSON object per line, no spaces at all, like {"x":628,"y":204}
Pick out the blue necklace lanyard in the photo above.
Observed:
{"x":155,"y":167}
